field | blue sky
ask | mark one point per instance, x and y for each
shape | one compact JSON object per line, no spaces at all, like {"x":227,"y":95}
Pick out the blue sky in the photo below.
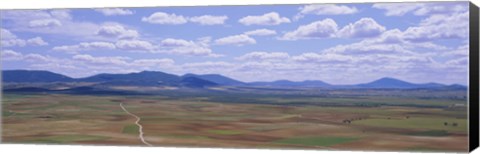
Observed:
{"x":336,"y":43}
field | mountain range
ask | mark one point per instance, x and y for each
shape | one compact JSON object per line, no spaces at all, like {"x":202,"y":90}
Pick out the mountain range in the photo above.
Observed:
{"x":156,"y":78}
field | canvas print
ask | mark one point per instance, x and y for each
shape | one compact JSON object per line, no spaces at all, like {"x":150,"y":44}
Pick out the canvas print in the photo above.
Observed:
{"x":366,"y":76}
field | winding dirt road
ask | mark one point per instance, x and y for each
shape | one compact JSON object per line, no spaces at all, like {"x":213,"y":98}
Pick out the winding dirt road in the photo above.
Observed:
{"x":140,"y":127}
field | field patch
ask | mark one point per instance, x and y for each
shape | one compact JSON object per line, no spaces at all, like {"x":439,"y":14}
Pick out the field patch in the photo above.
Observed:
{"x":130,"y":129}
{"x":225,"y":132}
{"x":67,"y":139}
{"x":434,"y":133}
{"x":316,"y":141}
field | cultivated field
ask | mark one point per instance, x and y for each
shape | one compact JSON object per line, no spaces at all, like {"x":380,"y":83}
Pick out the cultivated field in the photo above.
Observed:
{"x":356,"y":122}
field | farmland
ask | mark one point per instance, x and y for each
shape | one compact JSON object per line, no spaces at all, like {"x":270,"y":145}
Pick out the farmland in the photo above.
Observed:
{"x":342,"y":120}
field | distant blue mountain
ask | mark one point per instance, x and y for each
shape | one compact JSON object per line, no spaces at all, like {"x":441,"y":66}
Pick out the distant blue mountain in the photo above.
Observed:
{"x":287,"y":83}
{"x":143,"y":78}
{"x":216,"y":78}
{"x":390,"y":83}
{"x":155,"y":78}
{"x":196,"y":82}
{"x":29,"y":76}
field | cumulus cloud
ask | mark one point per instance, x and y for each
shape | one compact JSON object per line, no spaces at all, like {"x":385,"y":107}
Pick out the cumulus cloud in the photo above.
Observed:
{"x":45,"y":23}
{"x":261,"y":56}
{"x":11,"y":55}
{"x":165,"y":18}
{"x":365,"y":27}
{"x":12,"y":42}
{"x":152,"y":62}
{"x":6,"y":34}
{"x":328,"y":28}
{"x":85,"y":46}
{"x":238,"y":40}
{"x":319,"y":29}
{"x":261,"y":32}
{"x":311,"y":57}
{"x":272,"y":18}
{"x":422,"y":9}
{"x":38,"y":41}
{"x":208,"y":20}
{"x":101,"y":60}
{"x":58,"y":22}
{"x":184,"y":47}
{"x":114,"y":11}
{"x":207,"y":66}
{"x":327,"y":9}
{"x":9,"y":39}
{"x":439,"y":27}
{"x":35,"y":58}
{"x":134,"y":45}
{"x":116,"y":31}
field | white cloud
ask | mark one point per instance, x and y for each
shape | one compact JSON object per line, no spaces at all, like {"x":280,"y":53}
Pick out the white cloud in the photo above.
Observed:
{"x":439,"y":27}
{"x":261,"y":56}
{"x":11,"y":55}
{"x":35,"y":58}
{"x":124,"y":62}
{"x":327,"y":9}
{"x":164,"y":18}
{"x":365,"y":27}
{"x":45,"y":23}
{"x":101,"y":60}
{"x":328,"y":28}
{"x":85,"y":46}
{"x":6,"y":34}
{"x":311,"y":57}
{"x":135,"y":45}
{"x":208,"y":20}
{"x":62,"y":14}
{"x":422,"y":9}
{"x":114,"y":11}
{"x":238,"y":40}
{"x":170,"y":42}
{"x":184,"y":47}
{"x":368,"y":48}
{"x":319,"y":29}
{"x":8,"y":39}
{"x":117,"y":31}
{"x":207,"y":66}
{"x":58,"y":22}
{"x":272,"y":18}
{"x":260,"y":32}
{"x":12,"y":42}
{"x":152,"y":62}
{"x":37,"y":41}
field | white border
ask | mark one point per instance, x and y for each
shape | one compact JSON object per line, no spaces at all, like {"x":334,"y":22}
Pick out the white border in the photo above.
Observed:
{"x":53,"y":149}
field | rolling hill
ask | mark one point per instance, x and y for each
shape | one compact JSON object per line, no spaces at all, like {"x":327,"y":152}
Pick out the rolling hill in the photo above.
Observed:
{"x":32,"y":76}
{"x":156,"y":78}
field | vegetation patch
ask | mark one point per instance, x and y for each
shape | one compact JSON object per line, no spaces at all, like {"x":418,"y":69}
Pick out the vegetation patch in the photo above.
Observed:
{"x":316,"y":141}
{"x":7,"y":113}
{"x":225,"y":132}
{"x":435,"y":133}
{"x":67,"y":139}
{"x":130,"y":129}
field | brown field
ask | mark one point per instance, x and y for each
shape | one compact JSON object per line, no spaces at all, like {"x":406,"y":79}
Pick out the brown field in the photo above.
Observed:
{"x":198,"y":122}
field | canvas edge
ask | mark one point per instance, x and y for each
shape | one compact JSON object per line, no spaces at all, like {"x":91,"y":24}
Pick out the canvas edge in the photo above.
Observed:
{"x":473,"y":77}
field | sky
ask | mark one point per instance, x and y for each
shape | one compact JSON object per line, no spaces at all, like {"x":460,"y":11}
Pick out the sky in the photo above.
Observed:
{"x":335,"y":43}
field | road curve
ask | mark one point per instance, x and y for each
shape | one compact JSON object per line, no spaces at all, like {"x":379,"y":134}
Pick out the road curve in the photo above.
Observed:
{"x":140,"y":128}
